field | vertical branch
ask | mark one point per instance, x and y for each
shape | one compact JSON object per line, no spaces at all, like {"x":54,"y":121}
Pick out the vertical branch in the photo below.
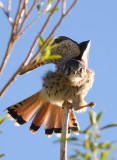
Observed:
{"x":63,"y":145}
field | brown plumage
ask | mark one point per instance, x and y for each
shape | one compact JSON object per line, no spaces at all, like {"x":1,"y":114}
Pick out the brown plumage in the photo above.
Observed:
{"x":23,"y":111}
{"x":70,"y":82}
{"x":67,"y":49}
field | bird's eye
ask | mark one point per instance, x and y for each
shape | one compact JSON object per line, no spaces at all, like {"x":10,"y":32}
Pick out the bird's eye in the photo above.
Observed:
{"x":75,"y":72}
{"x":80,"y":70}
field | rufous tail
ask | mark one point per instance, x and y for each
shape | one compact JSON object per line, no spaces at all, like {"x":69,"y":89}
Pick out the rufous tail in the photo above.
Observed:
{"x":43,"y":110}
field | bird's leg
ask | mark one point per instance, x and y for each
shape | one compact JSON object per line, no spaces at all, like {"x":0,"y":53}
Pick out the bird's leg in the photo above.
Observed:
{"x":70,"y":105}
{"x":91,"y":104}
{"x":78,"y":104}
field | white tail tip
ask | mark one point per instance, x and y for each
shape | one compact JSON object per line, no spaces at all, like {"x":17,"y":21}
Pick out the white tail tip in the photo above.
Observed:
{"x":17,"y":124}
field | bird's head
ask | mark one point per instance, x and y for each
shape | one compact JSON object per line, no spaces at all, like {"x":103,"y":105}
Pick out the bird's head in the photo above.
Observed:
{"x":74,"y":71}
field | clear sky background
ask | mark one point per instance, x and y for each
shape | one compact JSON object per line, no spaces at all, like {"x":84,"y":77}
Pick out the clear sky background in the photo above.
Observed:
{"x":95,"y":20}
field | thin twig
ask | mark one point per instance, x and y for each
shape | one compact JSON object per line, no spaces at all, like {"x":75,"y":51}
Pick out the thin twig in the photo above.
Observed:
{"x":12,"y":37}
{"x":27,"y":15}
{"x":64,"y":135}
{"x":64,"y":7}
{"x":31,"y":50}
{"x":70,"y":8}
{"x":49,"y":17}
{"x":18,"y":15}
{"x":53,"y":31}
{"x":9,"y":6}
{"x":6,"y":13}
{"x":36,"y":39}
{"x":27,"y":27}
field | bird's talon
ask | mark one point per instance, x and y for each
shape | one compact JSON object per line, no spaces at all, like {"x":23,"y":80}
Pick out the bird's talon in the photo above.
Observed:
{"x":70,"y":105}
{"x":92,"y":104}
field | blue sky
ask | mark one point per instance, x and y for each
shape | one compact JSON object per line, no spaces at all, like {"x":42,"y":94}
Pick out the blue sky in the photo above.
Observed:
{"x":94,"y":20}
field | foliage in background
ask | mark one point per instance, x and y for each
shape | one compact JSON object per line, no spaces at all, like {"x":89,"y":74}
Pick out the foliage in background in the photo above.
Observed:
{"x":1,"y":121}
{"x":91,"y":147}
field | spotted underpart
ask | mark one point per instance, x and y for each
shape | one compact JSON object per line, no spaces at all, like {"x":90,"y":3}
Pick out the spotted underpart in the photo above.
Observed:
{"x":69,"y":83}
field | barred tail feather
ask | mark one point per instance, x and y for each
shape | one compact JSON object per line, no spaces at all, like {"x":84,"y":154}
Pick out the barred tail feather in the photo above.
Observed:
{"x":73,"y":123}
{"x":40,"y":117}
{"x":37,"y":104}
{"x":24,"y":110}
{"x":53,"y":122}
{"x":58,"y":122}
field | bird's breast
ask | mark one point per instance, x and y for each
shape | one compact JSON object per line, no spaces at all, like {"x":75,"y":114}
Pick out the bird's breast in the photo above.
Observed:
{"x":57,"y":89}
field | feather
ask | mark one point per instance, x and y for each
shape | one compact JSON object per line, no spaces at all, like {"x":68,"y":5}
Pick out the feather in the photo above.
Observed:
{"x":24,"y":110}
{"x":58,"y":121}
{"x":72,"y":123}
{"x":40,"y":117}
{"x":49,"y":121}
{"x":53,"y":121}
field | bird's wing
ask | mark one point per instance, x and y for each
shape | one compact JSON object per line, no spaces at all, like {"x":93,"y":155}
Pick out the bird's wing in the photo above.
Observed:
{"x":87,"y":82}
{"x":64,"y":46}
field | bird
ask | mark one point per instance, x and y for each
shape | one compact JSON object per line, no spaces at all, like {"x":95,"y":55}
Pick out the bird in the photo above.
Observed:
{"x":67,"y":49}
{"x":70,"y":83}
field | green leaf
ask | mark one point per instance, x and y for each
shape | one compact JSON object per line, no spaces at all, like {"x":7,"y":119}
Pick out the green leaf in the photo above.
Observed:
{"x":105,"y":145}
{"x":54,"y":45}
{"x":90,"y":133}
{"x":54,"y":57}
{"x":73,"y":157}
{"x":51,"y":10}
{"x":87,"y":156}
{"x":66,"y":139}
{"x":92,"y":147}
{"x":87,"y":142}
{"x":2,"y":119}
{"x":38,"y":7}
{"x":47,"y":51}
{"x":92,"y":117}
{"x":87,"y":130}
{"x":1,"y":155}
{"x":98,"y":118}
{"x":72,"y":139}
{"x":50,"y":1}
{"x":78,"y":152}
{"x":108,"y":126}
{"x":41,"y":41}
{"x":104,"y":155}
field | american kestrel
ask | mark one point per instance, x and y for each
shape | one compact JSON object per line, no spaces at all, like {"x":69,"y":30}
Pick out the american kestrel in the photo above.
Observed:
{"x":69,"y":83}
{"x":67,"y":49}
